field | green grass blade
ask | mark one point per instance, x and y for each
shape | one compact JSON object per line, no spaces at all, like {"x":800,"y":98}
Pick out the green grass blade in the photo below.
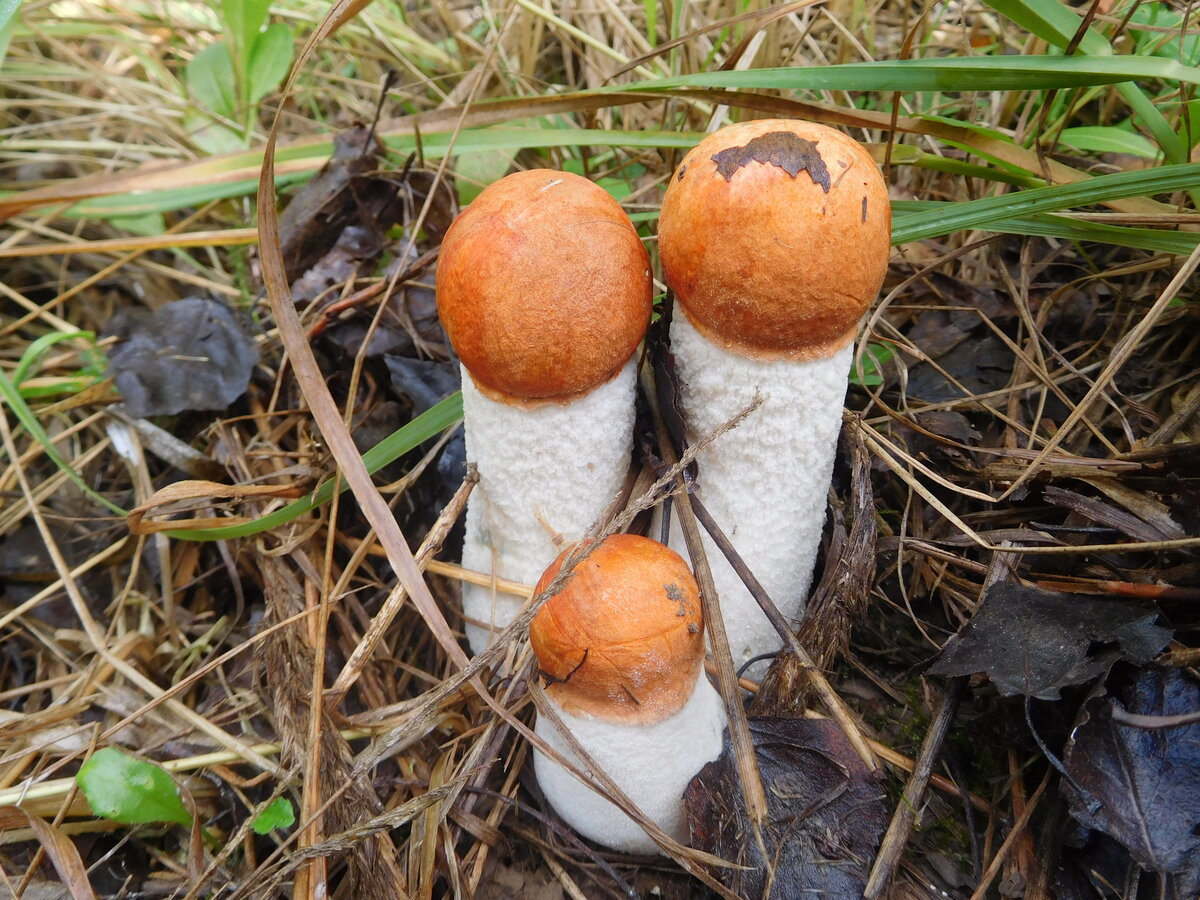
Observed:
{"x":425,"y":426}
{"x":13,"y":399}
{"x":433,"y":144}
{"x":1052,"y":21}
{"x":954,"y":73}
{"x":35,"y":351}
{"x":1056,"y":23}
{"x":1049,"y":225}
{"x":983,"y":212}
{"x":1180,"y":243}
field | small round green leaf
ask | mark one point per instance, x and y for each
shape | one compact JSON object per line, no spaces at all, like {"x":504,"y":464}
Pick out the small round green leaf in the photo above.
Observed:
{"x":278,"y":814}
{"x":130,"y":790}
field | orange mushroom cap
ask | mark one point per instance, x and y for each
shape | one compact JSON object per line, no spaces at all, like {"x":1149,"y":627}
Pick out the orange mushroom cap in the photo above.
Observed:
{"x":623,"y":641}
{"x":543,"y":286}
{"x":775,"y":236}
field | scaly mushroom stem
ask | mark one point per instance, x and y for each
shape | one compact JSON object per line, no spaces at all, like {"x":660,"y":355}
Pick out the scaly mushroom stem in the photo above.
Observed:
{"x":652,"y":764}
{"x":774,"y":235}
{"x":544,"y":289}
{"x":765,"y":481}
{"x":544,"y":472}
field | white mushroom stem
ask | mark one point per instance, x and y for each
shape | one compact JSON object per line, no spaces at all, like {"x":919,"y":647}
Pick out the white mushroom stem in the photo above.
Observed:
{"x":546,"y":474}
{"x":764,"y":482}
{"x":652,"y":764}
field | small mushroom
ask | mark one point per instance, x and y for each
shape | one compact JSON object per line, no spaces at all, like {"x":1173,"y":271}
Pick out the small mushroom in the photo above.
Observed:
{"x":774,"y":236}
{"x":544,"y":289}
{"x":622,"y":649}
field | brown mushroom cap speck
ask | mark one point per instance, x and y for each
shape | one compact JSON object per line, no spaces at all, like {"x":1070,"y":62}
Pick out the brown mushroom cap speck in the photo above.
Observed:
{"x":624,"y":639}
{"x":543,"y":286}
{"x":775,"y":236}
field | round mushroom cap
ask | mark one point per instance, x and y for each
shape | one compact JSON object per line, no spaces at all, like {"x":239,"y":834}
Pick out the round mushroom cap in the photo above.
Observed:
{"x":775,"y":236}
{"x":623,"y":641}
{"x":543,"y":286}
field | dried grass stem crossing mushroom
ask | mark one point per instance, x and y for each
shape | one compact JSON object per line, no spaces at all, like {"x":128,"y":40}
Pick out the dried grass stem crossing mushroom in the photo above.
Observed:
{"x":774,"y":237}
{"x":544,"y":289}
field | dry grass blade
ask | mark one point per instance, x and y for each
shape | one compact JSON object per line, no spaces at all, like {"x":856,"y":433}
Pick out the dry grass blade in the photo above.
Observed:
{"x":99,"y":640}
{"x":65,"y":857}
{"x":383,"y":619}
{"x":324,"y":410}
{"x":1121,"y":355}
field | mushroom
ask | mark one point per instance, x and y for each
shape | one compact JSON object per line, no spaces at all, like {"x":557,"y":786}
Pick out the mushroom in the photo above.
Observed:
{"x":622,"y":649}
{"x":544,"y":289}
{"x":774,"y":236}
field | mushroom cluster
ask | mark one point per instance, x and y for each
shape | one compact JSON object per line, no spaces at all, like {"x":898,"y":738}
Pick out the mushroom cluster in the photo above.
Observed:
{"x":544,"y":289}
{"x":774,"y":236}
{"x":622,"y":649}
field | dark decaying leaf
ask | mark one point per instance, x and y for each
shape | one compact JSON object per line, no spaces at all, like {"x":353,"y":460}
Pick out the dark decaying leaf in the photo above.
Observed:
{"x":826,"y":813}
{"x":353,"y":246}
{"x":425,"y":383}
{"x":1034,"y":642}
{"x":323,"y":207}
{"x":1141,"y":786}
{"x":354,"y":188}
{"x":188,"y":355}
{"x":666,"y":381}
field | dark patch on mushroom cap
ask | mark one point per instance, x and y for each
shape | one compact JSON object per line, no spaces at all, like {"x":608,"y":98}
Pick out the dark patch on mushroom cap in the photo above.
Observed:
{"x":788,"y":151}
{"x":864,"y":210}
{"x":679,"y":174}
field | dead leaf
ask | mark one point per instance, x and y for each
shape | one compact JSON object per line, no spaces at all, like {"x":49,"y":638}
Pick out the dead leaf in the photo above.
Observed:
{"x":188,"y":355}
{"x":825,"y":813}
{"x":1141,"y":786}
{"x":169,"y":500}
{"x":66,"y":859}
{"x":1034,"y":642}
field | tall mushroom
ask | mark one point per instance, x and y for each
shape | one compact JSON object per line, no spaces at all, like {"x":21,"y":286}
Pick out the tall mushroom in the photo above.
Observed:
{"x":622,"y":649}
{"x":544,"y":289}
{"x":774,"y":237}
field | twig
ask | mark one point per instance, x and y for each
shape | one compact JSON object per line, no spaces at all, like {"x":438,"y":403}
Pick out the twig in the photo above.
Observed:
{"x":1009,"y":842}
{"x":901,"y":825}
{"x":829,"y":697}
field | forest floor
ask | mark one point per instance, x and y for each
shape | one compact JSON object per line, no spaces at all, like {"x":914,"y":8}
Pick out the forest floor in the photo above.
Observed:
{"x":1006,"y":601}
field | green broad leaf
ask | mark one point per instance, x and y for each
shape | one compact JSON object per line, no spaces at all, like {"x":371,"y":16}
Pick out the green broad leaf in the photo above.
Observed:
{"x":244,"y":19}
{"x":270,"y":58}
{"x":619,"y":186}
{"x":984,"y":212}
{"x":279,"y":813}
{"x":8,"y":23}
{"x":207,"y":133}
{"x":475,"y":171}
{"x":210,"y":78}
{"x":952,"y":73}
{"x":874,"y":358}
{"x":1108,"y":139}
{"x":1153,"y":41}
{"x":131,"y":791}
